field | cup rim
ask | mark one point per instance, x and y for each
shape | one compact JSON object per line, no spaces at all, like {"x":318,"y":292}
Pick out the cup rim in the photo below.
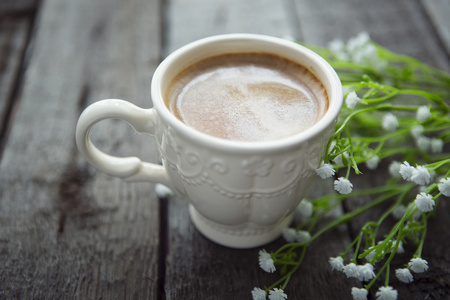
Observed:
{"x":319,"y":64}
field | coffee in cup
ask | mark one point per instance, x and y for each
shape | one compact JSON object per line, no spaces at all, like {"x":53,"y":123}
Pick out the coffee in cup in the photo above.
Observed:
{"x":247,"y":97}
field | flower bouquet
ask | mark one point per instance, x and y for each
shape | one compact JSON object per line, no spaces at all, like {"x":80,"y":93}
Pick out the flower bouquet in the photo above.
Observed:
{"x":395,"y":111}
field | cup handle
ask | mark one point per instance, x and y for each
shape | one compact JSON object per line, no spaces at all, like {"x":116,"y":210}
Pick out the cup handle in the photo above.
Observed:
{"x":128,"y":168}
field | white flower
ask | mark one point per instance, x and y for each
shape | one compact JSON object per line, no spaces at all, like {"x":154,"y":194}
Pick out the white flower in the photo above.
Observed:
{"x":371,"y":254}
{"x":417,"y":131}
{"x":266,"y":261}
{"x":404,"y":275}
{"x":338,"y":47}
{"x":351,"y":270}
{"x":423,"y":113}
{"x":437,"y":146}
{"x":366,"y":272}
{"x":338,"y":160}
{"x":359,"y":294}
{"x":289,"y":234}
{"x":400,"y":248}
{"x":303,"y":236}
{"x":259,"y":294}
{"x":163,"y":191}
{"x":386,"y":293}
{"x":444,"y":186}
{"x":394,"y":169}
{"x":352,"y":99}
{"x":358,"y":41}
{"x":325,"y":171}
{"x":305,"y":208}
{"x":418,"y":265}
{"x":277,"y":294}
{"x":390,"y":122}
{"x":343,"y":186}
{"x":372,"y":163}
{"x":421,"y":175}
{"x":424,"y":202}
{"x":399,"y":211}
{"x":423,"y":143}
{"x":331,"y":147}
{"x":296,"y":236}
{"x":406,"y":170}
{"x":337,"y":263}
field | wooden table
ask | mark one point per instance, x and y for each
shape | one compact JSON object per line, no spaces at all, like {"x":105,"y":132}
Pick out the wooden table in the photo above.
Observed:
{"x":70,"y":232}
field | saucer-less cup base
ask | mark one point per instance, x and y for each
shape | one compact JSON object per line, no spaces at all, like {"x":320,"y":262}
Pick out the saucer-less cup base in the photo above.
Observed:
{"x":241,"y":194}
{"x":235,"y":237}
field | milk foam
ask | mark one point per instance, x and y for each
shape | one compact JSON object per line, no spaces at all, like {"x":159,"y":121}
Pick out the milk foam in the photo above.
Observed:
{"x":247,"y":97}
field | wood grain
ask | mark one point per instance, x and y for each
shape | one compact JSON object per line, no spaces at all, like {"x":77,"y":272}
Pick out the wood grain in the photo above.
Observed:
{"x":68,"y":231}
{"x":14,"y":34}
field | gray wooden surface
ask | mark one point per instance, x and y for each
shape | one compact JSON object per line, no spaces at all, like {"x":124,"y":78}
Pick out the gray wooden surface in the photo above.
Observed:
{"x":69,"y":232}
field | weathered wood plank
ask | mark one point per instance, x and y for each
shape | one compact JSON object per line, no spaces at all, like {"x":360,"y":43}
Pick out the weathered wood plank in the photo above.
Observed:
{"x":14,"y":32}
{"x":66,"y":230}
{"x":399,"y":25}
{"x":17,"y":7}
{"x":438,"y":11}
{"x":197,"y":268}
{"x":207,"y":18}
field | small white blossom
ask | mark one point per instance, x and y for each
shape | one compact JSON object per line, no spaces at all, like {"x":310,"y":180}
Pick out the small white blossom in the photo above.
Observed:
{"x":423,"y":113}
{"x":418,"y":265}
{"x":338,"y":47}
{"x":372,"y":163}
{"x":417,"y":131}
{"x":352,"y":99}
{"x":404,"y":275}
{"x":386,"y":293}
{"x":437,"y":146}
{"x":394,"y":169}
{"x":296,"y":236}
{"x":337,"y":263}
{"x":399,"y":211}
{"x":371,"y":254}
{"x":400,"y":248}
{"x":421,"y":175}
{"x":289,"y":234}
{"x":277,"y":294}
{"x":424,"y":202}
{"x":358,"y":41}
{"x":359,"y":294}
{"x":444,"y":186}
{"x":305,"y":208}
{"x":406,"y":170}
{"x":331,"y":147}
{"x":303,"y":236}
{"x":351,"y":270}
{"x":343,"y":186}
{"x":325,"y":171}
{"x":390,"y":122}
{"x":423,"y":143}
{"x":366,"y":272}
{"x":163,"y":191}
{"x":258,"y":294}
{"x":266,"y":262}
{"x":338,"y":160}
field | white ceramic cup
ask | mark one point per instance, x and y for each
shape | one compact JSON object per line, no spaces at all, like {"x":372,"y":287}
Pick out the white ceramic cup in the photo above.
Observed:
{"x":241,"y":194}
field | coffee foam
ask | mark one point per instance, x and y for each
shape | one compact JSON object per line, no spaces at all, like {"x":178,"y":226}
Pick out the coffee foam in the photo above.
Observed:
{"x":247,"y":97}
